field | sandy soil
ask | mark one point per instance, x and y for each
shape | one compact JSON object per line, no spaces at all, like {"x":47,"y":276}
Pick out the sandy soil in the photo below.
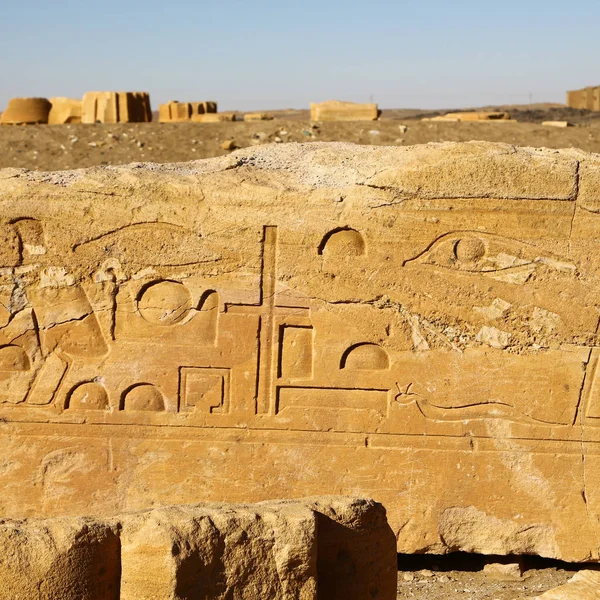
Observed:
{"x":467,"y":585}
{"x":52,"y":147}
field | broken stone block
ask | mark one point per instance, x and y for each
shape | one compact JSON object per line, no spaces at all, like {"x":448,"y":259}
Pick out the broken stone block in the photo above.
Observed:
{"x":221,"y":551}
{"x":356,"y":555}
{"x":258,"y":117}
{"x":174,"y":111}
{"x":305,"y":313}
{"x":213,"y":117}
{"x":334,"y":110}
{"x":57,"y":559}
{"x":503,"y":571}
{"x":473,"y":116}
{"x":561,"y":124}
{"x":26,"y":111}
{"x":116,"y":107}
{"x":65,"y":110}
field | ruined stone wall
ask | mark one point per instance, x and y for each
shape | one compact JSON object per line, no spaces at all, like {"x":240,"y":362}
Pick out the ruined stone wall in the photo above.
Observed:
{"x":65,"y":110}
{"x":116,"y":107}
{"x":334,"y":548}
{"x":176,"y":112}
{"x":417,"y":325}
{"x":587,"y":98}
{"x":26,"y":111}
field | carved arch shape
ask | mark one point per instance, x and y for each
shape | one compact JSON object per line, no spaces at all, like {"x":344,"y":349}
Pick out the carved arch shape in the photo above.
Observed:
{"x":365,"y":357}
{"x":143,"y":397}
{"x":343,"y":241}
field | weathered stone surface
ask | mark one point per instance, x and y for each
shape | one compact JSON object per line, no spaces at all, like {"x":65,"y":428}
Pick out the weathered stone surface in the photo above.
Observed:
{"x":116,"y":107}
{"x":338,"y":548}
{"x":65,"y":110}
{"x":59,"y":559}
{"x":417,"y":325}
{"x":585,"y":585}
{"x":334,"y":110}
{"x":587,"y":99}
{"x":222,"y":552}
{"x":355,"y":549}
{"x":26,"y":111}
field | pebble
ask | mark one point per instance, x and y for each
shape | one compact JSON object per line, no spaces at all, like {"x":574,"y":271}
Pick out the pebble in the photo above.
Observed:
{"x":228,"y":145}
{"x":403,"y":128}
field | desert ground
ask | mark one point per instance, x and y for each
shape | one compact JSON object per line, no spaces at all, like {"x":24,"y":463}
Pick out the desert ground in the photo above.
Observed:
{"x":56,"y":147}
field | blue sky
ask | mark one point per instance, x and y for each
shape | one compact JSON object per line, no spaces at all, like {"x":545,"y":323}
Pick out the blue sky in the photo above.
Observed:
{"x":271,"y":54}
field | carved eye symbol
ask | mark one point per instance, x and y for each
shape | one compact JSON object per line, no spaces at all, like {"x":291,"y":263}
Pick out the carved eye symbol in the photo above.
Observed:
{"x":477,"y":252}
{"x":469,"y":249}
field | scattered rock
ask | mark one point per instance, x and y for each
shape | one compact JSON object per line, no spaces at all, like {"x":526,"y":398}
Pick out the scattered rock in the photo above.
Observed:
{"x":503,"y":571}
{"x":228,"y":145}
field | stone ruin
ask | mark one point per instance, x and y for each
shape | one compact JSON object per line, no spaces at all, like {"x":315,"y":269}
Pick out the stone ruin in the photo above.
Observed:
{"x":184,"y":112}
{"x":26,"y":111}
{"x":116,"y":107}
{"x":587,"y":99}
{"x":415,"y":325}
{"x":334,"y":110}
{"x":474,"y":117}
{"x":333,"y":548}
{"x":65,"y":110}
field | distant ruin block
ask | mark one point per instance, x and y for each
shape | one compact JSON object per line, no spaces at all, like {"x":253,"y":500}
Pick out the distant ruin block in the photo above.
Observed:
{"x":116,"y":107}
{"x":65,"y":110}
{"x":585,"y":99}
{"x":213,"y":117}
{"x":26,"y":111}
{"x":334,"y":110}
{"x":475,"y":116}
{"x":258,"y":117}
{"x":177,"y":112}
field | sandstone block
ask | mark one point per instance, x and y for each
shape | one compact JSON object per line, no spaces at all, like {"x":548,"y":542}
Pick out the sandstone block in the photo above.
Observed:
{"x":473,"y":116}
{"x":65,"y":110}
{"x":213,"y":117}
{"x":221,"y":552}
{"x":356,"y":549}
{"x":334,"y":110}
{"x":58,"y":559}
{"x":258,"y":117}
{"x":116,"y":107}
{"x":419,"y":325}
{"x":175,"y":111}
{"x":587,"y":99}
{"x":557,"y":124}
{"x":26,"y":111}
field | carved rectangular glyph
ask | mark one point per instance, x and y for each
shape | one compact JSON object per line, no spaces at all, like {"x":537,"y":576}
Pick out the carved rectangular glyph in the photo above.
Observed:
{"x":419,"y":325}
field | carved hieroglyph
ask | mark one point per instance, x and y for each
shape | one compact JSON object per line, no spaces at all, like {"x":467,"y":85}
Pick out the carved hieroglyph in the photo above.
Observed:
{"x":418,"y":325}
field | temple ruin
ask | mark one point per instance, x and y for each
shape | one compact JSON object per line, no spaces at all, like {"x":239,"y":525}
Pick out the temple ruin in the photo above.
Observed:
{"x":116,"y":107}
{"x":180,"y":112}
{"x":415,"y":325}
{"x":26,"y":111}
